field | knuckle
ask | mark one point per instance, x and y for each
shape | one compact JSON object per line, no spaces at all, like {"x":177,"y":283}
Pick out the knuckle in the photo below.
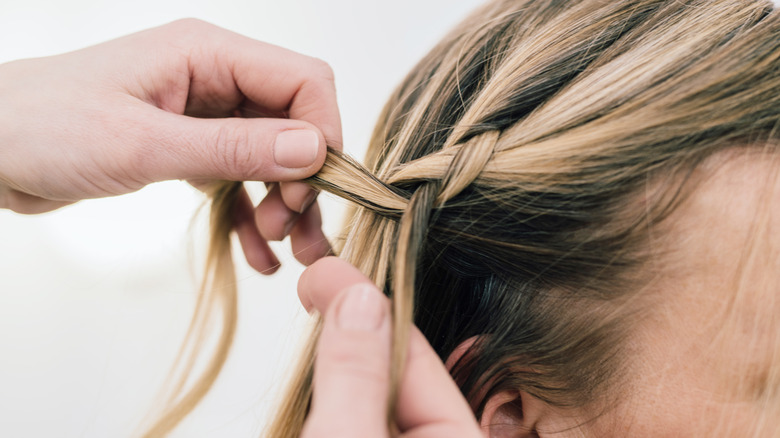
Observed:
{"x":189,"y":24}
{"x":187,"y":34}
{"x":234,"y":156}
{"x":357,"y":361}
{"x":323,"y":70}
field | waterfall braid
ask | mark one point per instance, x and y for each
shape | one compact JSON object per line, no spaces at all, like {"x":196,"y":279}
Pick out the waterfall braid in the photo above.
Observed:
{"x":518,"y":176}
{"x":515,"y":176}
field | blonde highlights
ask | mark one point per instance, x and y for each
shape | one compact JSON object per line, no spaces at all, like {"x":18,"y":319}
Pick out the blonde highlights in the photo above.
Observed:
{"x":217,"y":298}
{"x":494,"y":200}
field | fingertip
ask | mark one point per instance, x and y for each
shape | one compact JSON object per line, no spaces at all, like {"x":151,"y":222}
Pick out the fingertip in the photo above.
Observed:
{"x":310,"y":250}
{"x":311,"y":273}
{"x":307,"y":239}
{"x":321,"y":282}
{"x":256,"y":250}
{"x":236,"y":149}
{"x":273,"y":219}
{"x":298,"y":196}
{"x":352,"y":367}
{"x":271,"y":269}
{"x":259,"y":256}
{"x":325,"y":267}
{"x":315,"y":269}
{"x":300,"y":149}
{"x":361,"y":307}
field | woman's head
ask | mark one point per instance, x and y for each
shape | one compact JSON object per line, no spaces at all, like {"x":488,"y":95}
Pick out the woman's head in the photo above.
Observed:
{"x":703,"y":355}
{"x":577,"y":202}
{"x":560,"y":187}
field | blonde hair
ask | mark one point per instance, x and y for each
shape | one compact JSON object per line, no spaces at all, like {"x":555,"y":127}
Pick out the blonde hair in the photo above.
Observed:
{"x":495,"y":200}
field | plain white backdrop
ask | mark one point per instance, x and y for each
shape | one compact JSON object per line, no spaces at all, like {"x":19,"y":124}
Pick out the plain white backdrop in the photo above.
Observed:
{"x":95,"y":298}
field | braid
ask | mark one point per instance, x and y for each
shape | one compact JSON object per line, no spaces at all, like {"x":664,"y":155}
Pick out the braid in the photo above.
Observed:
{"x":412,"y":232}
{"x":468,"y":163}
{"x":504,"y":165}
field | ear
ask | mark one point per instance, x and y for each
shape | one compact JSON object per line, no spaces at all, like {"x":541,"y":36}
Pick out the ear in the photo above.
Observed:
{"x":508,"y":414}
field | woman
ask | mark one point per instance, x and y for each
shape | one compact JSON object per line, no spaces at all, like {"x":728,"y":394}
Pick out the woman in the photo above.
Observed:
{"x":576,"y":203}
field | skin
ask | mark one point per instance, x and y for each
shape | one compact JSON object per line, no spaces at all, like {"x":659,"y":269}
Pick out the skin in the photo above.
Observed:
{"x":700,"y":357}
{"x":353,"y":363}
{"x":191,"y":101}
{"x":187,"y":100}
{"x":703,"y":354}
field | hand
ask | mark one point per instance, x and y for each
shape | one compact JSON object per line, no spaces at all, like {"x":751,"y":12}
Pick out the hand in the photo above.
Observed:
{"x":351,"y":375}
{"x":187,"y":100}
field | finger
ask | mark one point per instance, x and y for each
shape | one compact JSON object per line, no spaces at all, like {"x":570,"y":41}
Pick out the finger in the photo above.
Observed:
{"x":256,"y":250}
{"x":222,"y":69}
{"x":322,"y":281}
{"x":234,"y":149}
{"x":428,"y":397}
{"x":352,"y":369}
{"x":23,"y":203}
{"x":302,"y":86}
{"x":429,"y":400}
{"x":308,"y":241}
{"x":273,"y":219}
{"x":298,"y":196}
{"x":313,"y":99}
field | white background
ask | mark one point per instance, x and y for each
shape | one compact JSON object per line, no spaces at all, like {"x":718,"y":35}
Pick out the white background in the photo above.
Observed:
{"x":95,"y":297}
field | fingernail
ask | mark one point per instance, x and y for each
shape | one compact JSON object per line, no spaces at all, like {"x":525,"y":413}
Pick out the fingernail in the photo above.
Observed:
{"x":362,"y":309}
{"x":308,"y":201}
{"x":297,"y":148}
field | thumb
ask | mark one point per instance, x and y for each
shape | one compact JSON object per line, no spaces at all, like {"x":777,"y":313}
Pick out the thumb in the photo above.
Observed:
{"x":235,"y":149}
{"x":352,"y":370}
